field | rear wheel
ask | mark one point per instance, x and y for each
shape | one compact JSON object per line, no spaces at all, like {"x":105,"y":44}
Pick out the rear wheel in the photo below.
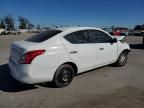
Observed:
{"x":122,"y":59}
{"x":63,"y":76}
{"x":9,"y":33}
{"x":19,"y":33}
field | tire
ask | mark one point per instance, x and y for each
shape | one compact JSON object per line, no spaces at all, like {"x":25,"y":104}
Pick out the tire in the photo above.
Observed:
{"x":63,"y":76}
{"x":9,"y":33}
{"x":19,"y":33}
{"x":122,"y":60}
{"x":2,"y":33}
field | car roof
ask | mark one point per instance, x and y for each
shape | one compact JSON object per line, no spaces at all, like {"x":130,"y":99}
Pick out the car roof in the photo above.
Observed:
{"x":76,"y":28}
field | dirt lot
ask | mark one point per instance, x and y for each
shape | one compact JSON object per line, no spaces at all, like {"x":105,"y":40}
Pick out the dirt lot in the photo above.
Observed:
{"x":107,"y":87}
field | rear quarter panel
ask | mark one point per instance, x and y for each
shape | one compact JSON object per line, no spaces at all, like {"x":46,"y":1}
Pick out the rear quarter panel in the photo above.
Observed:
{"x":45,"y":65}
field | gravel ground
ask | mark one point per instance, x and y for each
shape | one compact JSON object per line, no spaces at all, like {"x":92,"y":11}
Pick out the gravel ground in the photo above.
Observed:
{"x":106,"y":87}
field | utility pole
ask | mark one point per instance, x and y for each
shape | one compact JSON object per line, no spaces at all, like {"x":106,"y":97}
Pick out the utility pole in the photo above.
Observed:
{"x":142,"y":33}
{"x":143,"y":39}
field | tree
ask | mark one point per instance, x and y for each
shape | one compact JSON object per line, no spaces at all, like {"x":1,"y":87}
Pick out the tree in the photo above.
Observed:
{"x":38,"y":27}
{"x":30,"y":26}
{"x":9,"y":22}
{"x":137,"y":27}
{"x":142,"y":26}
{"x":55,"y":26}
{"x":112,"y":27}
{"x":22,"y":22}
{"x":2,"y":23}
{"x":25,"y":23}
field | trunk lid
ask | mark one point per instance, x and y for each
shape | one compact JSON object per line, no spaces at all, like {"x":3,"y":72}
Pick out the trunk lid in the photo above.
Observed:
{"x":18,"y":49}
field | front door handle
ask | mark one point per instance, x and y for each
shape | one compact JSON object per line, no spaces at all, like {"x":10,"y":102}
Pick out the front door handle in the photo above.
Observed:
{"x":101,"y":48}
{"x":73,"y":52}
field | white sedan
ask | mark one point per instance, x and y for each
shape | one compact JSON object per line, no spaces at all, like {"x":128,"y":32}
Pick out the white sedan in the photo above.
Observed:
{"x":59,"y":54}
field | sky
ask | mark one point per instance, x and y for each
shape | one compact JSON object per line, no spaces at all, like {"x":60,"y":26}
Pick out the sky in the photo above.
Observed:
{"x":100,"y":13}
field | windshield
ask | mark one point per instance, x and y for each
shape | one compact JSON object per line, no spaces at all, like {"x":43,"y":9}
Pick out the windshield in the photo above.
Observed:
{"x":43,"y":36}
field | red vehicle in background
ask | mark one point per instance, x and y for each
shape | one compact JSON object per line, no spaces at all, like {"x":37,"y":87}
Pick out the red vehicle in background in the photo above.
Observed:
{"x":117,"y":33}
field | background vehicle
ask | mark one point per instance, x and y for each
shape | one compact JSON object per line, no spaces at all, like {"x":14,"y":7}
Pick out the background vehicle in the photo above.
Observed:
{"x":117,"y":32}
{"x":1,"y":30}
{"x":34,"y":31}
{"x":10,"y":32}
{"x":57,"y":55}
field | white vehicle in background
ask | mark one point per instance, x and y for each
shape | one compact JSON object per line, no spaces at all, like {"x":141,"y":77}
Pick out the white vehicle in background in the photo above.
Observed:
{"x":34,"y":31}
{"x":59,"y":54}
{"x":10,"y":32}
{"x":1,"y":30}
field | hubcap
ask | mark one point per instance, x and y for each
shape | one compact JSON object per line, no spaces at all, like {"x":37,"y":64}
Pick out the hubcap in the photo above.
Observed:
{"x":122,"y":59}
{"x":65,"y":76}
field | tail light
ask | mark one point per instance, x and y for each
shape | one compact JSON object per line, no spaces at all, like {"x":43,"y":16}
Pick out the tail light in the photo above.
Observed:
{"x":28,"y":57}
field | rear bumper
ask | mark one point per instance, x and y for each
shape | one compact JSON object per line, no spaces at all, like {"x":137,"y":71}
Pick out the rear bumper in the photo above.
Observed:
{"x":21,"y":74}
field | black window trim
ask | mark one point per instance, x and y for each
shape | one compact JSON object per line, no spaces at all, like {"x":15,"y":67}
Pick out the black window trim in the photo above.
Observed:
{"x":88,"y":30}
{"x":99,"y":31}
{"x":44,"y":36}
{"x":75,"y":32}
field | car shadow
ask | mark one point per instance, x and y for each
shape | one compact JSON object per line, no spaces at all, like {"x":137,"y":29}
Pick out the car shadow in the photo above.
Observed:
{"x":9,"y":84}
{"x":48,"y":85}
{"x":137,"y":46}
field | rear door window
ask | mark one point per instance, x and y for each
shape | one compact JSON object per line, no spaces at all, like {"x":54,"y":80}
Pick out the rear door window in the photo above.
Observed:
{"x":43,"y":36}
{"x":79,"y":37}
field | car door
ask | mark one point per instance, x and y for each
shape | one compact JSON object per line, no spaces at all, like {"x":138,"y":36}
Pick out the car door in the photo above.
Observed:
{"x":105,"y":49}
{"x":81,"y":50}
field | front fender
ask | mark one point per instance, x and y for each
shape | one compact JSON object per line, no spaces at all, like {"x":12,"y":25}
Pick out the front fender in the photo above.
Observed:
{"x":123,"y":47}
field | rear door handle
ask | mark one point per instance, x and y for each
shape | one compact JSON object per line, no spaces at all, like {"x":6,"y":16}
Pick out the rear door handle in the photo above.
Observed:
{"x":101,"y":48}
{"x":73,"y":52}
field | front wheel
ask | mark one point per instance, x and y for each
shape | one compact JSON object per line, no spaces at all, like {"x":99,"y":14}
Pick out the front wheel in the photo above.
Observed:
{"x":63,"y":76}
{"x":122,"y":59}
{"x":19,"y":33}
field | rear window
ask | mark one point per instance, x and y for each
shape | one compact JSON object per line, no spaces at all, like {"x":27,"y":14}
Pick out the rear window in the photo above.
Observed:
{"x":43,"y":36}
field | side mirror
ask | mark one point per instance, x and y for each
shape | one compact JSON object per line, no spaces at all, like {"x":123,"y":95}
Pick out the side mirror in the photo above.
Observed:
{"x":114,"y":40}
